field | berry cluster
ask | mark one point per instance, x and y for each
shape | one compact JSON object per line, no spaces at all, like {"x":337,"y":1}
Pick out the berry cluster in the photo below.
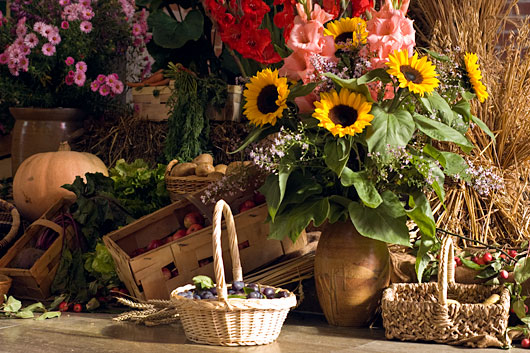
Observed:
{"x":238,"y":289}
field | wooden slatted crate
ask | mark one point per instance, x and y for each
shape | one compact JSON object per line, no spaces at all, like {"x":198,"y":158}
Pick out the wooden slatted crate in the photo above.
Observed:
{"x":150,"y":102}
{"x":34,"y":283}
{"x":190,"y":255}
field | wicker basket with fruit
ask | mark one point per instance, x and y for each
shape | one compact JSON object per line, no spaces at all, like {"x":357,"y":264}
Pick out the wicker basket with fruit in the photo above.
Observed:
{"x":231,"y":315}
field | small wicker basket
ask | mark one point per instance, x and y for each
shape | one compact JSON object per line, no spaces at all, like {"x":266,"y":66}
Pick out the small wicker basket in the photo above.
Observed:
{"x":9,"y":224}
{"x":177,"y":186}
{"x":230,"y":321}
{"x":413,"y":311}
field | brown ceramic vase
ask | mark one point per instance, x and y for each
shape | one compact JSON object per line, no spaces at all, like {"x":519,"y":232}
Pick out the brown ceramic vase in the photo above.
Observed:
{"x":351,"y":272}
{"x":39,"y":130}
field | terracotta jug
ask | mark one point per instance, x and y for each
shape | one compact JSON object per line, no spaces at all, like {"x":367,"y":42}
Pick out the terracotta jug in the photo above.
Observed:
{"x":351,"y":272}
{"x":39,"y":130}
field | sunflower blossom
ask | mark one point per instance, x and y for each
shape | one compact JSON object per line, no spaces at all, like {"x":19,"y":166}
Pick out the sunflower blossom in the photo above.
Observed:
{"x":418,"y":75}
{"x":347,"y":32}
{"x":475,"y":75}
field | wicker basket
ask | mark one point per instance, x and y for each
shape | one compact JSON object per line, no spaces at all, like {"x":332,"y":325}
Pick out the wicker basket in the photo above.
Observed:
{"x":230,"y":321}
{"x":414,"y":311}
{"x":177,"y":186}
{"x":9,"y":224}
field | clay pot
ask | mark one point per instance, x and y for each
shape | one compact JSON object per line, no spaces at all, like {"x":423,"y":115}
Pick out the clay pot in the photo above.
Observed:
{"x":351,"y":272}
{"x":39,"y":130}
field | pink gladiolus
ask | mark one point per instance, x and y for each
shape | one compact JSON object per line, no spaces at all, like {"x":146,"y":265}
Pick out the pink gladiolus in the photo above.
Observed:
{"x":69,"y":61}
{"x":48,"y":49}
{"x":81,"y":66}
{"x":65,"y":25}
{"x":94,"y":86}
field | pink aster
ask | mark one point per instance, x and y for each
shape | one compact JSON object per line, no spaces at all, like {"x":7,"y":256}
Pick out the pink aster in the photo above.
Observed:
{"x":137,"y":29}
{"x":104,"y":90}
{"x":69,"y":61}
{"x":111,"y":81}
{"x":71,"y":73}
{"x":64,"y":2}
{"x":94,"y":86}
{"x":101,"y":78}
{"x":118,"y":87}
{"x":86,"y":27}
{"x":24,"y":64}
{"x":46,"y":31}
{"x":38,"y":26}
{"x":3,"y":58}
{"x":85,"y":3}
{"x":48,"y":49}
{"x":54,"y":38}
{"x":80,"y":78}
{"x":65,"y":25}
{"x":31,"y":40}
{"x":87,"y":14}
{"x":69,"y":80}
{"x":81,"y":66}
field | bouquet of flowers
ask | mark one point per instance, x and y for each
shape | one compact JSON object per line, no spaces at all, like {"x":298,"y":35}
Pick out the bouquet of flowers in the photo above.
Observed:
{"x":359,"y":126}
{"x":69,"y":53}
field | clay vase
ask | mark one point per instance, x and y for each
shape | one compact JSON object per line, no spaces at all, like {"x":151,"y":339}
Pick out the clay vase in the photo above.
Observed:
{"x":351,"y":272}
{"x":39,"y":130}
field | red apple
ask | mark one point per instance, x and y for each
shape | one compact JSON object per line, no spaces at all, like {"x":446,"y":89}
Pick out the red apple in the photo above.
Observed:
{"x":247,"y":205}
{"x":193,"y":228}
{"x":193,"y":218}
{"x":179,"y":234}
{"x":174,"y":272}
{"x":168,"y":239}
{"x":155,"y":244}
{"x":137,"y":252}
{"x":259,"y":198}
{"x":244,"y":209}
{"x":166,"y":272}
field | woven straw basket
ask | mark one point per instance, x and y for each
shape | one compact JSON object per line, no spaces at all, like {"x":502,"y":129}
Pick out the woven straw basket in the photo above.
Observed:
{"x":177,"y":186}
{"x":230,"y":321}
{"x":9,"y":224}
{"x":414,"y":311}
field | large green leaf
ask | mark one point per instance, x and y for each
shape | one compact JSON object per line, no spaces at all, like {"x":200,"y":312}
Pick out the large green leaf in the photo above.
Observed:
{"x":453,"y":164}
{"x":337,"y":153}
{"x":463,"y":108}
{"x":299,"y":188}
{"x":297,"y":218}
{"x":389,"y":130}
{"x":430,"y":170}
{"x":301,"y":90}
{"x":483,"y":126}
{"x":420,"y":212}
{"x":274,"y":190}
{"x":386,"y":222}
{"x":521,"y":272}
{"x":423,"y":258}
{"x":374,"y":75}
{"x":363,"y":185}
{"x":351,"y":84}
{"x":170,"y":33}
{"x":439,"y":131}
{"x":437,"y":105}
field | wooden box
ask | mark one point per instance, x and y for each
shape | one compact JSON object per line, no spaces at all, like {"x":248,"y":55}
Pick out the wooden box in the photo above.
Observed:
{"x":191,"y":255}
{"x":150,"y":102}
{"x":34,"y":283}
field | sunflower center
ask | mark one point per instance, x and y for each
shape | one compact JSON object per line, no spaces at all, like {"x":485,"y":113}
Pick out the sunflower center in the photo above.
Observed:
{"x":267,"y":99}
{"x":343,"y":114}
{"x":411,"y":74}
{"x":343,"y":37}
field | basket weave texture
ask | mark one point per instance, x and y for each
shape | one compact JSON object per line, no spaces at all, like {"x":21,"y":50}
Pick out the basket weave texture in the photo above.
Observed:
{"x":413,"y":311}
{"x":177,"y":186}
{"x":9,"y":224}
{"x":230,"y":321}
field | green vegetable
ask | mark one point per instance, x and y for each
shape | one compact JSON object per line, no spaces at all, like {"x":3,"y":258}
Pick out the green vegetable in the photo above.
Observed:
{"x":203,"y":282}
{"x":12,"y":308}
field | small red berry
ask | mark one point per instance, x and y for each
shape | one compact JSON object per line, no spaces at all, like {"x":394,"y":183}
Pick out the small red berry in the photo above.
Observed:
{"x":487,"y":257}
{"x":503,"y":256}
{"x":458,"y":261}
{"x":480,"y":261}
{"x":503,"y":274}
{"x":512,"y":253}
{"x":525,"y":343}
{"x":474,"y":259}
{"x":64,"y":306}
{"x":78,"y":308}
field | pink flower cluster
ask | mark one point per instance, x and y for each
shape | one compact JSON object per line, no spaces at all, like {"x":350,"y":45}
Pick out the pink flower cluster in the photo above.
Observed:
{"x":128,"y":8}
{"x":139,"y":61}
{"x":79,"y":75}
{"x":77,"y":11}
{"x":107,"y":85}
{"x":2,"y":19}
{"x":139,"y":29}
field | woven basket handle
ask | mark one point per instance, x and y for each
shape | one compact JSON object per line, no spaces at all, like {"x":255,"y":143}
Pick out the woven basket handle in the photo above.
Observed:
{"x":169,"y":167}
{"x":49,"y":224}
{"x":446,"y":274}
{"x":221,"y":207}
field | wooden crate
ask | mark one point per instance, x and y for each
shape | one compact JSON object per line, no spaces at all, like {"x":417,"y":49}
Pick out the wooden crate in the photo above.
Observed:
{"x":34,"y":283}
{"x":150,"y":102}
{"x":143,"y":275}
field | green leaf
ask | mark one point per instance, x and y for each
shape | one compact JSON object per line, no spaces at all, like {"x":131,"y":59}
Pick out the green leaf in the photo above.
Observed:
{"x":301,"y":90}
{"x":385,"y":223}
{"x":437,"y":105}
{"x":374,"y":75}
{"x":237,"y":296}
{"x":472,"y":265}
{"x":35,"y":307}
{"x":298,"y":218}
{"x":521,"y":271}
{"x":25,"y":314}
{"x":436,"y":55}
{"x":172,"y":34}
{"x":518,"y":308}
{"x":363,"y":185}
{"x":463,"y":108}
{"x":453,"y":164}
{"x":389,"y":130}
{"x":483,"y":126}
{"x":430,"y":170}
{"x":441,"y":132}
{"x":49,"y":315}
{"x":203,"y":282}
{"x":12,"y":305}
{"x":298,"y":189}
{"x":352,"y":85}
{"x":337,"y":154}
{"x":421,"y":214}
{"x":274,"y":190}
{"x":423,"y":258}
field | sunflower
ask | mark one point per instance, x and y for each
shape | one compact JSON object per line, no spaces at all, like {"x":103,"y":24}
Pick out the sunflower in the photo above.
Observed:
{"x":474,"y":75}
{"x":266,"y":96}
{"x":353,"y":29}
{"x":345,"y":113}
{"x":419,"y":75}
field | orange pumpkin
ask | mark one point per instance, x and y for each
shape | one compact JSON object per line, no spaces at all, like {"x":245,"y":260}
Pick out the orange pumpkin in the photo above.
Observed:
{"x":38,"y":180}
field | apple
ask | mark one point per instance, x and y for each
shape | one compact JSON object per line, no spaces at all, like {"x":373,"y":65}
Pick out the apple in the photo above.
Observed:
{"x":247,"y":205}
{"x":244,"y":209}
{"x":525,"y":343}
{"x":193,"y":218}
{"x":168,"y":239}
{"x":155,"y":244}
{"x":174,"y":272}
{"x":166,"y":272}
{"x":259,"y":198}
{"x":137,"y":252}
{"x":193,"y":228}
{"x":179,"y":234}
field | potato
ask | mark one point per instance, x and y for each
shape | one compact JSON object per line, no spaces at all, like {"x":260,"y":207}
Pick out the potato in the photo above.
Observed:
{"x":203,"y":158}
{"x":183,"y":169}
{"x":221,"y":168}
{"x":236,"y":167}
{"x":203,"y":169}
{"x":216,"y":175}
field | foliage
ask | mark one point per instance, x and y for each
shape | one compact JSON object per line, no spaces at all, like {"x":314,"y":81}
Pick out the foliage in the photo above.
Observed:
{"x":12,"y":309}
{"x":364,"y":145}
